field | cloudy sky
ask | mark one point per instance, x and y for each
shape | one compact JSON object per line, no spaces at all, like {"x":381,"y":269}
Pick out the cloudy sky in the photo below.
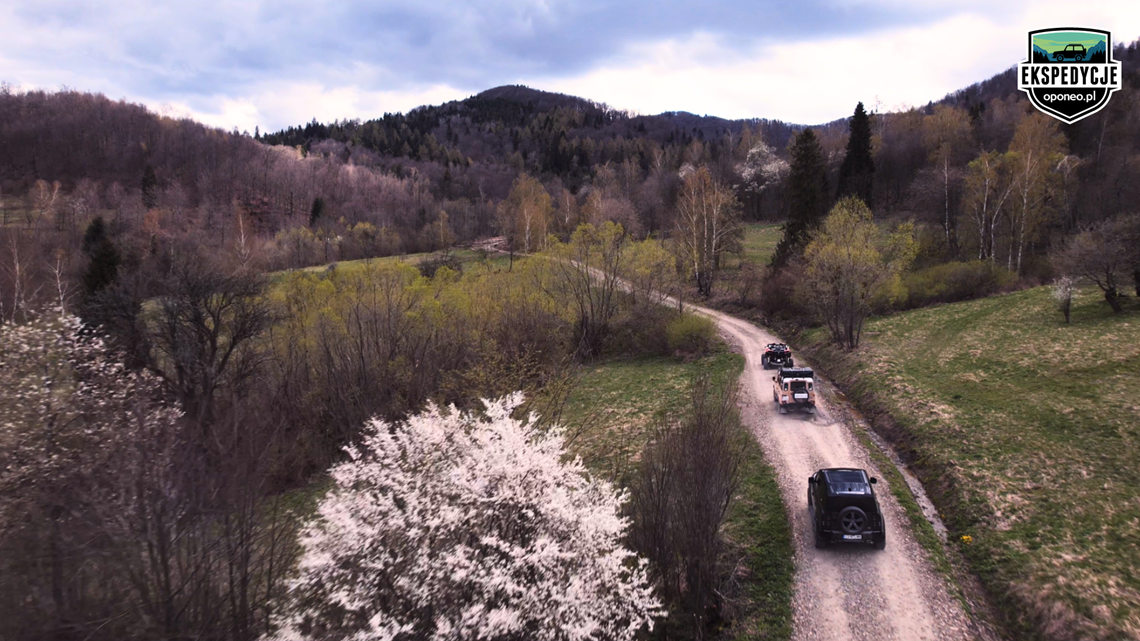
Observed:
{"x":272,"y":63}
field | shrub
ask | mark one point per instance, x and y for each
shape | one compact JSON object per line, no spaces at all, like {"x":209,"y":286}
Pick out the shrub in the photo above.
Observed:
{"x":642,"y":331}
{"x":429,"y":266}
{"x":778,"y":301}
{"x":461,"y":526}
{"x":686,"y":481}
{"x":957,"y":281}
{"x":690,"y":334}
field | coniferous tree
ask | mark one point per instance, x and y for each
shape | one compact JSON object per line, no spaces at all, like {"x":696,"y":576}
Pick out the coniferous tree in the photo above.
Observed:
{"x":856,"y":174}
{"x":149,"y":188}
{"x":807,"y":196}
{"x":104,"y":258}
{"x":316,"y":210}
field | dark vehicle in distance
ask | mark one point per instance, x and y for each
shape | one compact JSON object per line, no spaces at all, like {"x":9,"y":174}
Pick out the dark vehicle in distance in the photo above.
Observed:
{"x":1076,"y":52}
{"x":844,"y":508}
{"x":777,"y":355}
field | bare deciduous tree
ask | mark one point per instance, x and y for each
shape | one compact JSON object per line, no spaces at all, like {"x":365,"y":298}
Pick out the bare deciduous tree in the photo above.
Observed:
{"x":685,"y":484}
{"x":1100,"y":256}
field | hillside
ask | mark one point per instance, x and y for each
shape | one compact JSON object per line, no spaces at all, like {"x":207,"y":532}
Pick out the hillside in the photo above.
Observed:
{"x":1024,"y":430}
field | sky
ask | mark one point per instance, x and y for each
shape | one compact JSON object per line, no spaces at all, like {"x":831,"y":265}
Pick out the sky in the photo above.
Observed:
{"x":275,"y":63}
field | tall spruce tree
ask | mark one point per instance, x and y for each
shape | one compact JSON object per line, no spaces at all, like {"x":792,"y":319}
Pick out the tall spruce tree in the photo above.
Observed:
{"x":807,"y":194}
{"x":103,"y":265}
{"x":857,"y":173}
{"x":316,"y":211}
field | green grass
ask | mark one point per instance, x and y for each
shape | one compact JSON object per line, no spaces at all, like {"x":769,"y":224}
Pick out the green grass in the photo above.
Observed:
{"x":758,"y":525}
{"x":608,"y":416}
{"x":610,"y":412}
{"x":760,"y":240}
{"x":1026,"y":432}
{"x":468,"y":258}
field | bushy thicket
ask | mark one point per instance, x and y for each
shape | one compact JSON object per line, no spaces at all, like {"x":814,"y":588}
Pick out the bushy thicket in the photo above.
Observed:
{"x":690,"y":334}
{"x":955,"y":281}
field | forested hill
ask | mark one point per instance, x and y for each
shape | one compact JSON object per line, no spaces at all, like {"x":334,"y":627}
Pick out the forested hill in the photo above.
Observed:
{"x":554,"y":132}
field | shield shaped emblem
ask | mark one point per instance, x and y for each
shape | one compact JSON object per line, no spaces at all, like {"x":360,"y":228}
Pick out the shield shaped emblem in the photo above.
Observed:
{"x":1069,"y":73}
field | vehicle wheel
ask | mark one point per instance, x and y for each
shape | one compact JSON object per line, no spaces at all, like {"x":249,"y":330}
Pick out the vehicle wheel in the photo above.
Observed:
{"x":764,"y":362}
{"x":791,"y":363}
{"x":1058,"y":56}
{"x":1079,"y":57}
{"x":881,"y":544}
{"x":783,"y":410}
{"x":820,"y":542}
{"x":852,"y":520}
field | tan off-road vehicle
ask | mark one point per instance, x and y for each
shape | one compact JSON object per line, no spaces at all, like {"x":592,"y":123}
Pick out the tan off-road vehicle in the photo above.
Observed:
{"x":794,"y":388}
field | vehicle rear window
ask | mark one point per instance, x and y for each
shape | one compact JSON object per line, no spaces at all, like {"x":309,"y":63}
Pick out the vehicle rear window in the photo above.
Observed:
{"x":845,"y":482}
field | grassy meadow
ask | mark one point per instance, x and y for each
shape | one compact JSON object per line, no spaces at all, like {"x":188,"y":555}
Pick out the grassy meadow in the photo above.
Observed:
{"x":1026,"y":432}
{"x":609,"y":415}
{"x":760,"y":240}
{"x":759,"y":244}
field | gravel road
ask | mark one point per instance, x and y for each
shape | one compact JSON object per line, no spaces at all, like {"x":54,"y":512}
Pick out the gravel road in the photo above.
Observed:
{"x":841,"y":592}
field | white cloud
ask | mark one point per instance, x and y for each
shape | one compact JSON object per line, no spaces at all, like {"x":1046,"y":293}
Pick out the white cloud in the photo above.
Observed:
{"x":820,"y":80}
{"x":274,"y":106}
{"x":235,"y":64}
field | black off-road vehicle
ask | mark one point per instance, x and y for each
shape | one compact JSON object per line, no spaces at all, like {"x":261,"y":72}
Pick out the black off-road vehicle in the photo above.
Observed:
{"x":844,"y":508}
{"x":777,"y":355}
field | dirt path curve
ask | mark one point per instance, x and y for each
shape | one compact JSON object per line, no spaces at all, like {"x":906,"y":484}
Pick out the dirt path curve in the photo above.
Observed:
{"x":841,"y":593}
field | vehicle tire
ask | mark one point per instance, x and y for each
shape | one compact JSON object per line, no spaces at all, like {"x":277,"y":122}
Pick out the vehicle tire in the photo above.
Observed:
{"x":1058,"y":56}
{"x":1079,"y":57}
{"x":783,"y":410}
{"x":881,"y":544}
{"x":820,"y":542}
{"x":764,"y":362}
{"x":791,"y":363}
{"x":852,"y":520}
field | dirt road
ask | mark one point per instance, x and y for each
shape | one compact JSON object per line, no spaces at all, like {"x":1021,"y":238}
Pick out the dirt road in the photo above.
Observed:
{"x":841,"y":592}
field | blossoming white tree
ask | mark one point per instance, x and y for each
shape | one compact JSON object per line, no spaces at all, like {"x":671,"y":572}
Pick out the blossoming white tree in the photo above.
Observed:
{"x":762,"y":168}
{"x":460,"y":526}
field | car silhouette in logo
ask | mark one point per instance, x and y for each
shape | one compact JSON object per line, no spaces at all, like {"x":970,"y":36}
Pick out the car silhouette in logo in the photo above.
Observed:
{"x":1076,"y":52}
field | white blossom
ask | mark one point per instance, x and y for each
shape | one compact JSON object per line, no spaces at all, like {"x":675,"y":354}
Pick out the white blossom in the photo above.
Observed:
{"x":460,"y":526}
{"x":762,"y":168}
